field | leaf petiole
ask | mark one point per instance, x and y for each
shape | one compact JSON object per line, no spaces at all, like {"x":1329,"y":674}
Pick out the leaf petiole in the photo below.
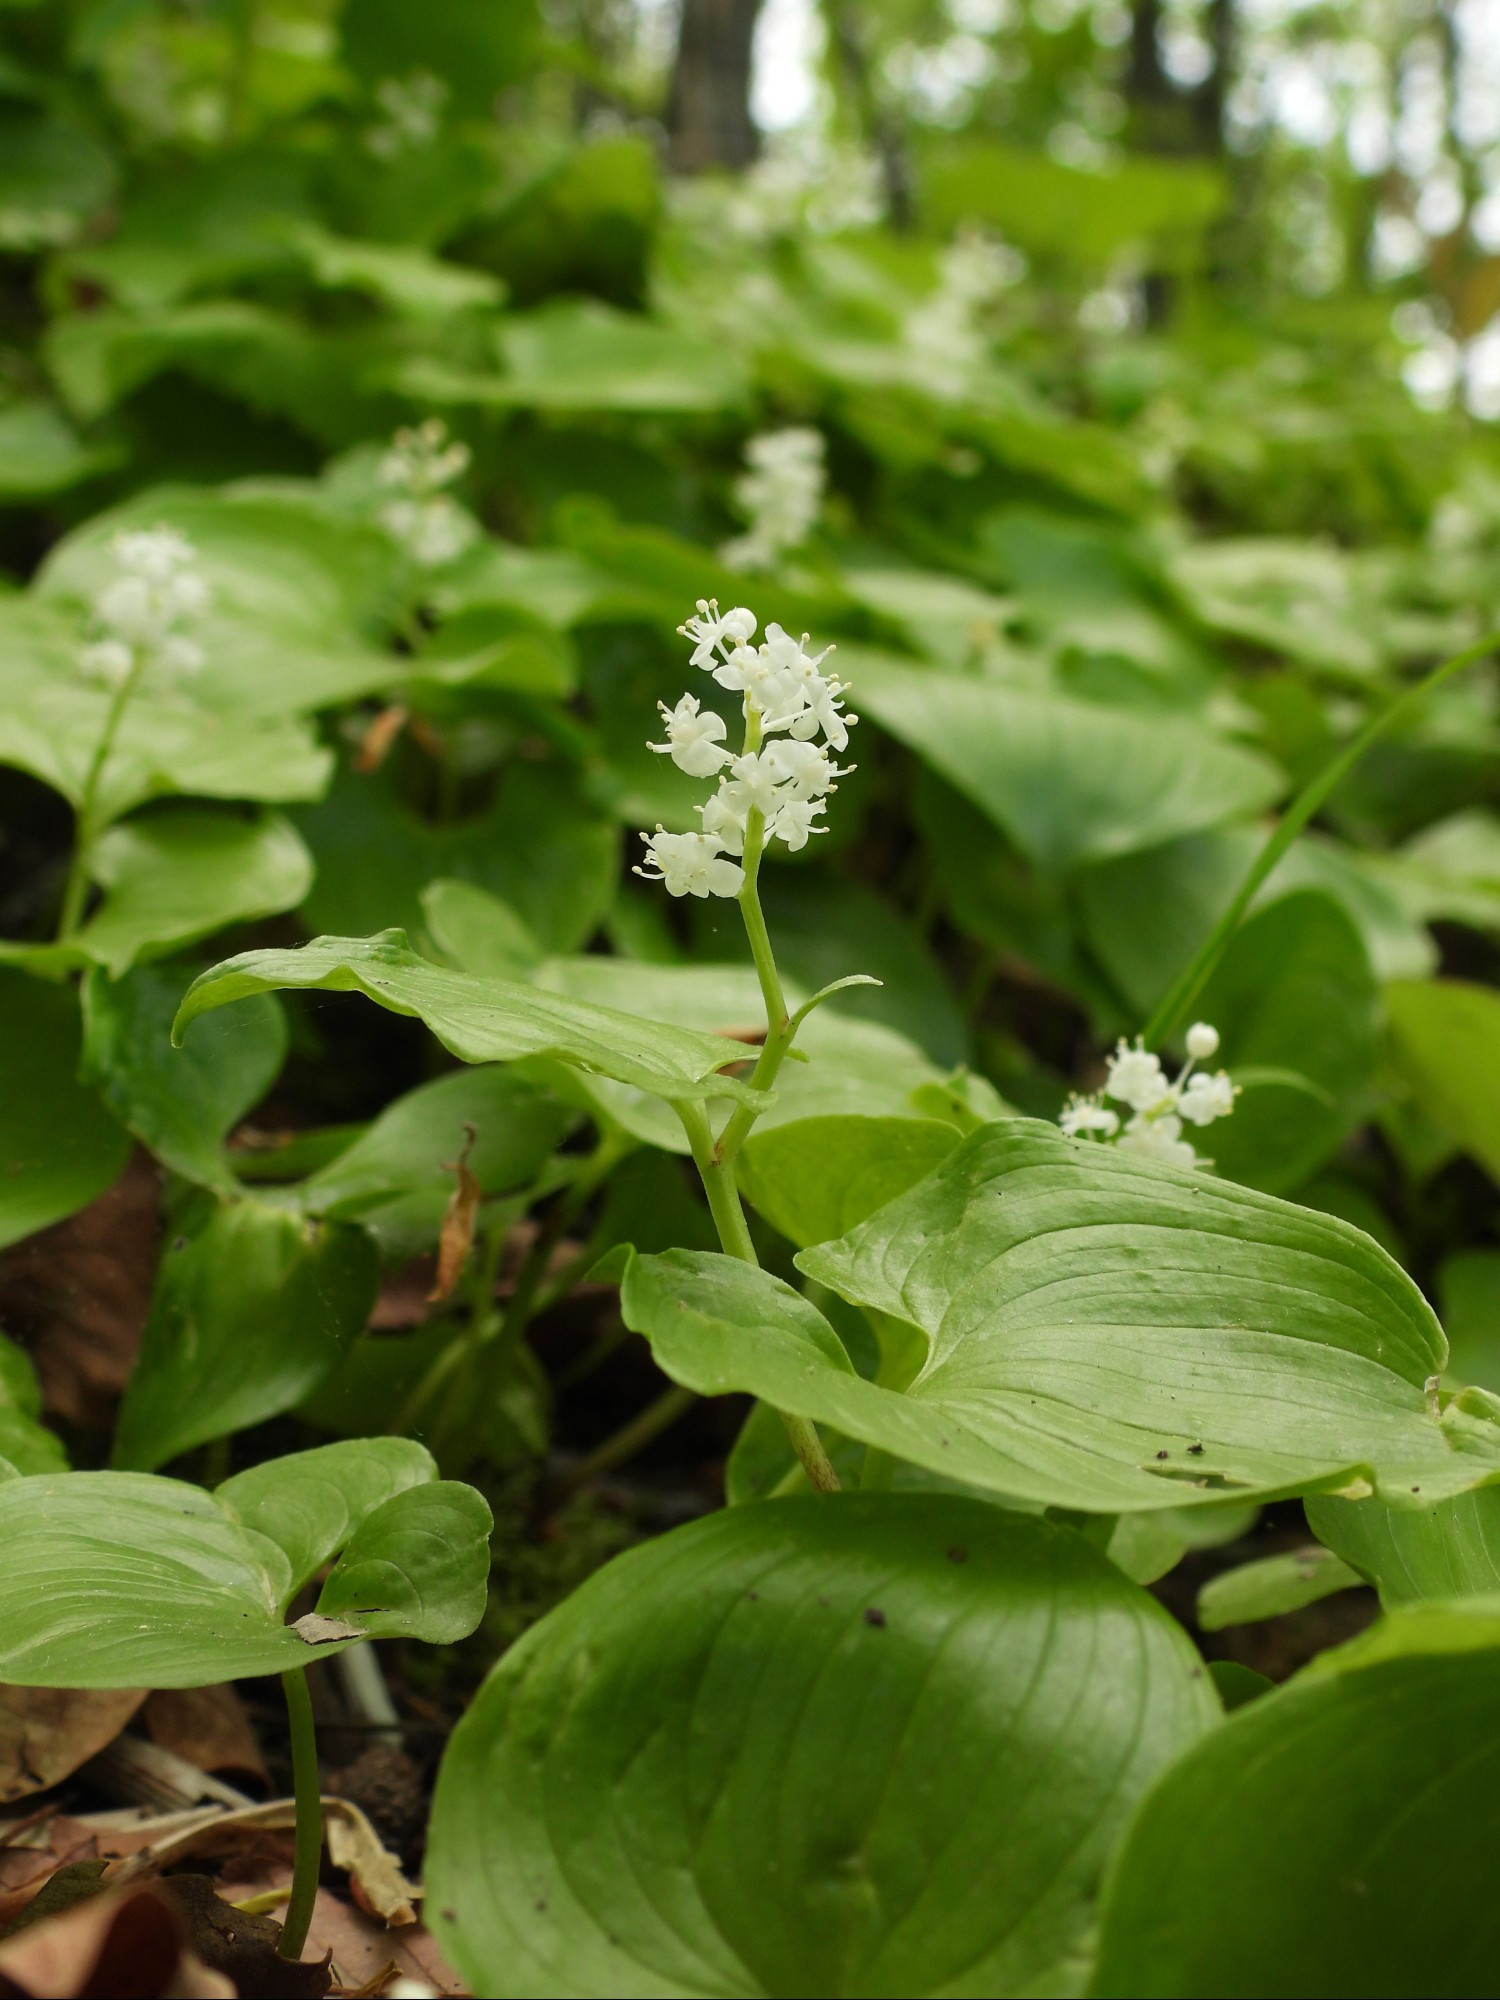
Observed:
{"x":308,"y":1851}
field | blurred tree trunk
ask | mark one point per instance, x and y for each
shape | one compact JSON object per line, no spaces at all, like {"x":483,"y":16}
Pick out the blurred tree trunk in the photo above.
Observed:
{"x":708,"y":113}
{"x":1164,"y":117}
{"x":880,"y":128}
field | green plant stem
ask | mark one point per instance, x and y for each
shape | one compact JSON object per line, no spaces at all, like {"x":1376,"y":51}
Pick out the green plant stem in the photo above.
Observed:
{"x":1187,"y":987}
{"x":76,"y":890}
{"x":729,"y":1219}
{"x":309,"y":1835}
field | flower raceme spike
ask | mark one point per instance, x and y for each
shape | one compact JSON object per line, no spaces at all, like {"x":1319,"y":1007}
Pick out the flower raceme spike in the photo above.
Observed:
{"x":1136,"y":1079}
{"x":782,"y":775}
{"x":428,"y":523}
{"x":780,"y":493}
{"x":139,"y":614}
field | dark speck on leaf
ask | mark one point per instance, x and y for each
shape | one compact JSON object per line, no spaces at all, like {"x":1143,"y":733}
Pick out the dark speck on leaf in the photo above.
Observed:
{"x":753,"y":1595}
{"x":1195,"y":1451}
{"x":1163,"y":1454}
{"x":541,"y":1903}
{"x":958,"y":1555}
{"x":179,"y":1243}
{"x":449,"y":1916}
{"x":875,"y":1617}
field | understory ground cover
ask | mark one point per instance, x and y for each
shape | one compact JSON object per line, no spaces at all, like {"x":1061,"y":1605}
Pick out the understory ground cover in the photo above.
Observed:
{"x":749,"y":1037}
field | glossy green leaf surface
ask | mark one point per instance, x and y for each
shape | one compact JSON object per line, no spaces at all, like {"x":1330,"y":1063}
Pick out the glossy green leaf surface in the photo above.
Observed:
{"x":1272,"y":1586}
{"x":168,"y":743}
{"x":122,"y":1579}
{"x":59,"y":1146}
{"x":855,"y":1069}
{"x":873,"y":1744}
{"x":482,"y":1020}
{"x":815,"y":1178}
{"x":1445,"y":1047}
{"x":1450,"y":1550}
{"x":248,"y":1317}
{"x":1304,"y":1847}
{"x":1295,"y":1002}
{"x":311,"y":1503}
{"x":416,"y":1567}
{"x":409,"y":1152}
{"x":171,"y":879}
{"x":1101,"y":1333}
{"x":1069,"y":781}
{"x":179,"y":1102}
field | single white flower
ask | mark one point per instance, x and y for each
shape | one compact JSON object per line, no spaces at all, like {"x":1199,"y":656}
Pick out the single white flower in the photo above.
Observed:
{"x":694,"y":738}
{"x":1158,"y":1139}
{"x":1205,"y":1098}
{"x":1135,"y":1078}
{"x":708,"y":631}
{"x":1202,"y":1042}
{"x":691,"y":864}
{"x":793,"y":822}
{"x":1087,"y":1114}
{"x":725,"y":816}
{"x":755,"y":777}
{"x":802,"y":770}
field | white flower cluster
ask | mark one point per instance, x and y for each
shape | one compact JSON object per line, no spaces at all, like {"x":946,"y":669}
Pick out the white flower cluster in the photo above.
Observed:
{"x":788,"y":699}
{"x":780,"y":493}
{"x":1137,"y":1080}
{"x":413,"y":114}
{"x":429,"y":524}
{"x":139,"y":614}
{"x":945,"y":332}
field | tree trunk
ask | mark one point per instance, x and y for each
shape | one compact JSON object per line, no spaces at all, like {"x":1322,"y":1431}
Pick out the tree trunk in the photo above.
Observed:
{"x":708,"y":114}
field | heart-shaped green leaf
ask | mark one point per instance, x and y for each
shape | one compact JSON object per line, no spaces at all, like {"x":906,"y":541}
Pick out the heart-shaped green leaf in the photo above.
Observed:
{"x":179,"y":1102}
{"x":416,"y":1567}
{"x":122,"y":1579}
{"x":248,"y":1317}
{"x":1312,"y":1844}
{"x":311,"y":1503}
{"x":52,"y":721}
{"x":182,"y":875}
{"x":853,"y":1068}
{"x":871,"y":1744}
{"x":59,"y":1147}
{"x":1445,"y":1047}
{"x":408,"y":1153}
{"x":1101,"y":1332}
{"x":1069,"y":781}
{"x":483,"y":1020}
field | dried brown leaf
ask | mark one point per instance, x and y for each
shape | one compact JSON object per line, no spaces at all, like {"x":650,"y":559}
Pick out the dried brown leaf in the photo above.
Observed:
{"x":375,"y":744}
{"x":131,"y":1943}
{"x":353,"y":1845}
{"x":207,"y":1727}
{"x":76,"y":1295}
{"x":456,"y":1238}
{"x":320,"y":1631}
{"x":46,"y":1733}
